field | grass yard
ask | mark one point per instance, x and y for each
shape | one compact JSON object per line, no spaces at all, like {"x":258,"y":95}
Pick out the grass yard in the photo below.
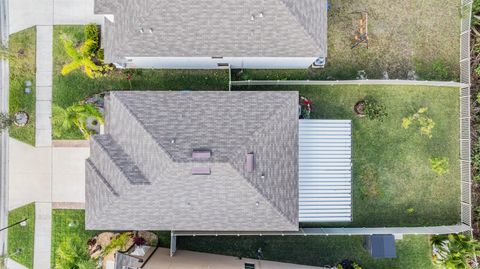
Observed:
{"x":22,"y":69}
{"x":20,"y":238}
{"x":65,"y":223}
{"x":412,"y":251}
{"x":393,"y":184}
{"x":76,"y":86}
{"x":403,"y":35}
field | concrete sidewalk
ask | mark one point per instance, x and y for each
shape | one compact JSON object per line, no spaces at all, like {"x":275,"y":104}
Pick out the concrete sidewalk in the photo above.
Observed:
{"x":44,"y":67}
{"x":42,"y":244}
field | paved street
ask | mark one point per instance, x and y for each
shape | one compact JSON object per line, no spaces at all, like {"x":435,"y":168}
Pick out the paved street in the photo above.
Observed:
{"x":4,"y":81}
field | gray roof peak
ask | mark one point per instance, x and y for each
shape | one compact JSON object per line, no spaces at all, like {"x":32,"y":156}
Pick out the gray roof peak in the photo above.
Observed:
{"x":227,"y":125}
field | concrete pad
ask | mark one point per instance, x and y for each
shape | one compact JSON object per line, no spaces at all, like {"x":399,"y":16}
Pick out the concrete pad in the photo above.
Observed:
{"x":30,"y":174}
{"x":27,"y":13}
{"x":11,"y":264}
{"x":44,"y":79}
{"x":43,"y":138}
{"x":44,"y":93}
{"x":43,"y":232}
{"x":83,"y":12}
{"x":43,"y":123}
{"x":68,"y":180}
{"x":43,"y":107}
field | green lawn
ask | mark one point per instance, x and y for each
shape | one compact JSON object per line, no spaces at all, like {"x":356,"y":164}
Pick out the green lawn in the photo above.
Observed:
{"x":409,"y":192}
{"x":412,"y":251}
{"x":22,"y":68}
{"x":65,"y":223}
{"x":403,"y":35}
{"x":20,"y":238}
{"x":76,"y":86}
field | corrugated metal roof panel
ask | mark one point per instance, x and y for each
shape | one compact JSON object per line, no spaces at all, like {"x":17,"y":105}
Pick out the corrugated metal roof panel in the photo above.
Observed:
{"x":325,"y":170}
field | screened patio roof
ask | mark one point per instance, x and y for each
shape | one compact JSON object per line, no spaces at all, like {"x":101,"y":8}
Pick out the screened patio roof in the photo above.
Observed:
{"x":325,"y":170}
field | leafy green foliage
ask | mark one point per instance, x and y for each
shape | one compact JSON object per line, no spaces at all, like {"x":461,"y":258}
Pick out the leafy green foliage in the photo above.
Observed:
{"x":118,"y":243}
{"x":454,"y":251}
{"x":369,"y":182}
{"x":75,"y":115}
{"x":475,"y":12}
{"x":91,"y":32}
{"x":62,"y":228}
{"x":424,"y":122}
{"x":476,"y":161}
{"x":374,"y":110}
{"x":83,"y":58}
{"x":72,"y":254}
{"x":5,"y":121}
{"x":439,"y":165}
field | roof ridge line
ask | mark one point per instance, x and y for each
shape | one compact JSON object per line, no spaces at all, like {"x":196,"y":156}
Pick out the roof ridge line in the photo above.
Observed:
{"x":269,"y":120}
{"x":263,"y":196}
{"x":142,"y":125}
{"x":312,"y":38}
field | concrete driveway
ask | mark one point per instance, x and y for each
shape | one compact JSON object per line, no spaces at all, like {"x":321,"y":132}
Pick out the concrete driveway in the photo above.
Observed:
{"x":27,"y":13}
{"x":49,"y":174}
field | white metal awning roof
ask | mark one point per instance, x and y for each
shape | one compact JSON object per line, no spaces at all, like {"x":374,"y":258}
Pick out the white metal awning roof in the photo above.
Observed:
{"x":325,"y":170}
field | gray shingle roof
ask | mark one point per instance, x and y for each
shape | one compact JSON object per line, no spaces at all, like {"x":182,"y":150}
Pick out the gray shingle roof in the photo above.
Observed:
{"x":138,"y":147}
{"x":185,"y":28}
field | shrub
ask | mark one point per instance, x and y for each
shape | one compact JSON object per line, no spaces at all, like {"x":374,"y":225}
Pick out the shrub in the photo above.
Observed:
{"x":374,"y":111}
{"x":76,"y":115}
{"x":476,"y":161}
{"x":454,"y":251}
{"x":439,"y":165}
{"x":425,"y":123}
{"x":91,"y":33}
{"x":117,"y":243}
{"x":72,"y":254}
{"x":369,"y":186}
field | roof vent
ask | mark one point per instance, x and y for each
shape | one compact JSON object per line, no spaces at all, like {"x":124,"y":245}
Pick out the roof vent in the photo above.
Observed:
{"x":150,"y":30}
{"x":172,"y":141}
{"x":141,"y":30}
{"x":260,"y":15}
{"x":250,"y":162}
{"x":201,"y":171}
{"x":201,"y":154}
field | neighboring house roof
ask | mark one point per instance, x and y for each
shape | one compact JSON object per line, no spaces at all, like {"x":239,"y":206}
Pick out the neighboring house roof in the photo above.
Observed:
{"x":139,"y":174}
{"x":227,"y":28}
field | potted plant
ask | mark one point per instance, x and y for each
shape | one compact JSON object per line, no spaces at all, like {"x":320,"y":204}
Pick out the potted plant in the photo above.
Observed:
{"x":305,"y":107}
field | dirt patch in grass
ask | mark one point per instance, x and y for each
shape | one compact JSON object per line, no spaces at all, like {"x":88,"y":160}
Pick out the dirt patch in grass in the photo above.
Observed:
{"x":403,"y":36}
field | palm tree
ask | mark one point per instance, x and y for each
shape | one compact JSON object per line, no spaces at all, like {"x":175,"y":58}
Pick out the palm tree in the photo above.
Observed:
{"x":454,"y":251}
{"x":82,"y":58}
{"x":75,"y":115}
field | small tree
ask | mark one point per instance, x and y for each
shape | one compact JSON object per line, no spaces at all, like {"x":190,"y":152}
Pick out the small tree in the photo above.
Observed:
{"x":454,"y":251}
{"x":72,"y":254}
{"x":83,"y":58}
{"x":374,"y":110}
{"x":76,"y":115}
{"x":425,"y":123}
{"x":439,"y":165}
{"x":5,"y":121}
